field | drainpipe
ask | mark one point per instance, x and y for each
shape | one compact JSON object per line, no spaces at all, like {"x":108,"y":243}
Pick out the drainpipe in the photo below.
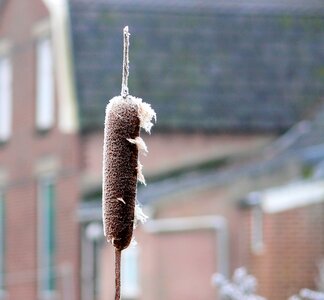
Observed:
{"x":216,"y":223}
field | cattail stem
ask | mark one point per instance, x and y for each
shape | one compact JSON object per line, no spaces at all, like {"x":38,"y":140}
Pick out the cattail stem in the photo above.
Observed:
{"x":117,"y":273}
{"x":124,"y":88}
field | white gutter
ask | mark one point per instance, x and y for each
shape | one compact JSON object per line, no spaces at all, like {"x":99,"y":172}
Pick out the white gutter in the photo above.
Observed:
{"x":291,"y":196}
{"x":216,"y":223}
{"x":60,"y":29}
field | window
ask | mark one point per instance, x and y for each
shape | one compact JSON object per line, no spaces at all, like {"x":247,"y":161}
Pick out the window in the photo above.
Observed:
{"x":44,"y":85}
{"x":2,"y":245}
{"x":257,"y":229}
{"x":91,"y":260}
{"x":46,"y":212}
{"x":130,"y":273}
{"x":5,"y":99}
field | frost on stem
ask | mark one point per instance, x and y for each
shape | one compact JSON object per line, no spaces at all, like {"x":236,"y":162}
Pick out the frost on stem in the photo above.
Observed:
{"x":124,"y":88}
{"x":139,"y":215}
{"x":140,"y":176}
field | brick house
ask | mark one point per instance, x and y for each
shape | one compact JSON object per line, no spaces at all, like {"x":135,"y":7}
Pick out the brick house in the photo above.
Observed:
{"x":226,"y":80}
{"x":39,"y":158}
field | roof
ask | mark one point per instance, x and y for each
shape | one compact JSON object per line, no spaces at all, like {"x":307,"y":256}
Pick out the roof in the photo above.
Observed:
{"x":209,"y":65}
{"x":264,"y":6}
{"x":313,"y":136}
{"x":305,"y":137}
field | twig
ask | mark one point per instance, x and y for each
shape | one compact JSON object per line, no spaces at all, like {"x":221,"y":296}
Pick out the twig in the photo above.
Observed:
{"x":124,"y":88}
{"x":117,"y":273}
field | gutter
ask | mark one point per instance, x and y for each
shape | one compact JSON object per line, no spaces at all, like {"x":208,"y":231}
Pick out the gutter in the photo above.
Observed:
{"x":287,"y":197}
{"x":216,"y":223}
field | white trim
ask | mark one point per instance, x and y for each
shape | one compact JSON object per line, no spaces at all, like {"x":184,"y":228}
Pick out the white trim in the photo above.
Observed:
{"x":47,"y":165}
{"x":45,"y":84}
{"x":42,"y":29}
{"x":3,"y":178}
{"x":67,"y":110}
{"x":6,"y":100}
{"x":292,"y":196}
{"x":216,"y":223}
{"x":5,"y":47}
{"x":86,"y":266}
{"x":130,"y":290}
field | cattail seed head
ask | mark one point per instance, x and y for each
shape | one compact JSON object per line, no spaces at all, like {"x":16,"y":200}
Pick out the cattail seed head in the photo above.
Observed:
{"x":121,"y":167}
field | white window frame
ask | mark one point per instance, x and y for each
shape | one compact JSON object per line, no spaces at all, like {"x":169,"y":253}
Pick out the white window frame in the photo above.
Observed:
{"x":45,"y":86}
{"x":130,"y":275}
{"x":6,"y":105}
{"x":257,"y":229}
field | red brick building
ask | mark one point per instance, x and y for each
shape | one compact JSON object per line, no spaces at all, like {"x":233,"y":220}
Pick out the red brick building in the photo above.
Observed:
{"x":226,"y":80}
{"x":39,"y":159}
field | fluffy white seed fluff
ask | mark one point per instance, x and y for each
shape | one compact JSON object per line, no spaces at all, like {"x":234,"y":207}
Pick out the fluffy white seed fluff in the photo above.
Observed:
{"x":139,"y":142}
{"x":140,"y":176}
{"x":139,"y":215}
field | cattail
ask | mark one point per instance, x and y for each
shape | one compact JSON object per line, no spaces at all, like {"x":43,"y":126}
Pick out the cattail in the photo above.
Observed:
{"x":125,"y":115}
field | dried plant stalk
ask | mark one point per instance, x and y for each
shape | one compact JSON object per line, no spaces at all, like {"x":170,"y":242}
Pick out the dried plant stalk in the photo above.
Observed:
{"x":125,"y":115}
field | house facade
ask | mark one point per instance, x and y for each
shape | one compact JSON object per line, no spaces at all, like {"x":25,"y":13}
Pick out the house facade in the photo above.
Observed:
{"x":39,"y":160}
{"x":225,"y":79}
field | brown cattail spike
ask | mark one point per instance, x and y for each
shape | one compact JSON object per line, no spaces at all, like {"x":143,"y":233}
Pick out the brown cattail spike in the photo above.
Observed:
{"x":120,"y":170}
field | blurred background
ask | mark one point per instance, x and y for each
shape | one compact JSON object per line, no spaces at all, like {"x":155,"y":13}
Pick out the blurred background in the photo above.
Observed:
{"x":235,"y":170}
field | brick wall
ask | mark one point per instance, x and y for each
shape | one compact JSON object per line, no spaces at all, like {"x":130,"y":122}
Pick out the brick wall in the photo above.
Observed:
{"x":294,"y":243}
{"x":166,"y":151}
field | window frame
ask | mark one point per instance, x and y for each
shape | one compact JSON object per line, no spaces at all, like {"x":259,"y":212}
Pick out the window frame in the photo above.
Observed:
{"x":47,"y":278}
{"x":130,"y":287}
{"x":45,"y":84}
{"x":6,"y":97}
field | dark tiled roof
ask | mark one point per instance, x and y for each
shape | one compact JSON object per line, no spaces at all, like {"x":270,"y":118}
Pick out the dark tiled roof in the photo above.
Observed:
{"x":202,"y":64}
{"x":263,"y":6}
